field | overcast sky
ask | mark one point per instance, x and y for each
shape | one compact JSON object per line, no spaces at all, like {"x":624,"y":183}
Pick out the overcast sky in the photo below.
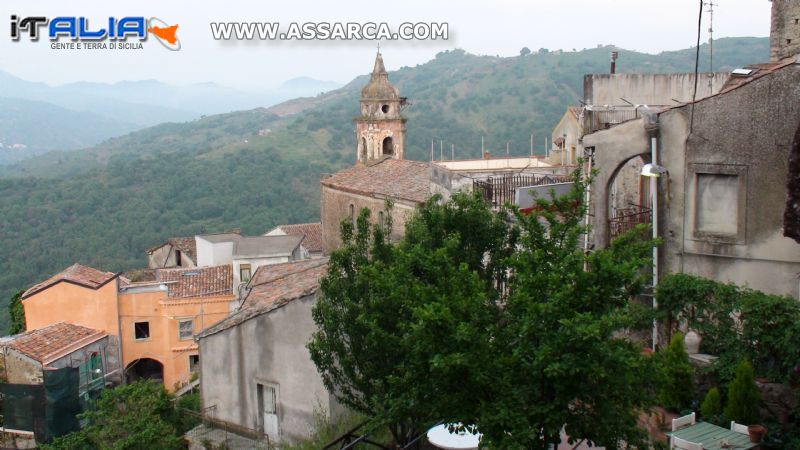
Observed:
{"x":493,"y":27}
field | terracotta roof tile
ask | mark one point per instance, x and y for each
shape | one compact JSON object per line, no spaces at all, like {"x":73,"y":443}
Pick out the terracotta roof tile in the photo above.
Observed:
{"x":407,"y":180}
{"x":52,"y":342}
{"x":77,"y":274}
{"x":197,"y":282}
{"x":758,"y":71}
{"x":312,"y":232}
{"x":274,"y":286}
{"x":186,"y":245}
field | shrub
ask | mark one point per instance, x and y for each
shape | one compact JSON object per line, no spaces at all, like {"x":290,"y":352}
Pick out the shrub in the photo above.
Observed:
{"x":677,"y":388}
{"x":711,"y":408}
{"x":743,"y":396}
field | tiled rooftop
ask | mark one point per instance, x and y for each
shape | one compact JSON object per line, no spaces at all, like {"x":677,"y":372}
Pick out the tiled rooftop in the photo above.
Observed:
{"x":197,"y":281}
{"x":312,"y":232}
{"x":77,"y":274}
{"x":407,"y":180}
{"x":52,"y":342}
{"x":274,"y":286}
{"x":186,"y":245}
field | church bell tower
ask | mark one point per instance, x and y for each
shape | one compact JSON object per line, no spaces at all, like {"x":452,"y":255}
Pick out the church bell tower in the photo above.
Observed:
{"x":380,"y":128}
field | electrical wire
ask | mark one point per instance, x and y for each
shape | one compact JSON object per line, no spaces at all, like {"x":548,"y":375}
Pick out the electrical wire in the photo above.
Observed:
{"x":696,"y":65}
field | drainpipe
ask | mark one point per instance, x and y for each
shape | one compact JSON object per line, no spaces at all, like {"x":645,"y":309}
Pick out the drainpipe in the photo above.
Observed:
{"x":651,"y":126}
{"x":589,"y":161}
{"x":121,"y":363}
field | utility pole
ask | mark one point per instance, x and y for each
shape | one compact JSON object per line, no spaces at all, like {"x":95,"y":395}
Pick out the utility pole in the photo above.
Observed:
{"x":441,"y":150}
{"x":431,"y":149}
{"x":507,"y":148}
{"x":483,"y":151}
{"x":452,"y":152}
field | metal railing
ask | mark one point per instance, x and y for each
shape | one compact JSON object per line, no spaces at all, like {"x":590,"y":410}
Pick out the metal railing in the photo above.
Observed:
{"x":499,"y":191}
{"x":625,"y":219}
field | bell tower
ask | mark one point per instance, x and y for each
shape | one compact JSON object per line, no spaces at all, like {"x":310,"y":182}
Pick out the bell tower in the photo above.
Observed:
{"x":380,"y":128}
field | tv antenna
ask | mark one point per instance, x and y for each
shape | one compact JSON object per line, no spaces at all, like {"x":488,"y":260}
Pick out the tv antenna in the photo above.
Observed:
{"x":710,"y":12}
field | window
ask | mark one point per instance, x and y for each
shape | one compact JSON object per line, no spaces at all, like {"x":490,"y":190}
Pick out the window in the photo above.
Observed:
{"x":385,"y":109}
{"x":194,"y":361}
{"x":353,"y":214}
{"x":717,"y":203}
{"x":381,"y":221}
{"x":719,"y":193}
{"x":244,"y":272}
{"x":177,"y":258}
{"x":388,"y":146}
{"x":141,"y":330}
{"x":185,"y":329}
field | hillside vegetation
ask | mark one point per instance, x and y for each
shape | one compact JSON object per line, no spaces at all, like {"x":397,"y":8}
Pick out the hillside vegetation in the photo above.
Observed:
{"x":254,"y":169}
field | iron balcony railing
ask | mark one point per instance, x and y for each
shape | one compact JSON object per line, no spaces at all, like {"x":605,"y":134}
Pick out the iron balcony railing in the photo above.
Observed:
{"x":499,"y":191}
{"x":625,"y":219}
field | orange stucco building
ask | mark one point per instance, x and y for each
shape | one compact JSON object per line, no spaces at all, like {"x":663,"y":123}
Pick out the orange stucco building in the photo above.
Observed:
{"x":151,"y":324}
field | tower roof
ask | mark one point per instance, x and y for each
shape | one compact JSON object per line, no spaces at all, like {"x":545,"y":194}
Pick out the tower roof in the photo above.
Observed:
{"x":379,"y":87}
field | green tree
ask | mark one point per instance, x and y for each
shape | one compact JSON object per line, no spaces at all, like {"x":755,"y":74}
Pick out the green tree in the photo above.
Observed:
{"x":524,"y":51}
{"x":677,"y":388}
{"x":711,"y":408}
{"x":488,"y":319}
{"x":136,"y":416}
{"x":17,"y":313}
{"x":743,"y":396}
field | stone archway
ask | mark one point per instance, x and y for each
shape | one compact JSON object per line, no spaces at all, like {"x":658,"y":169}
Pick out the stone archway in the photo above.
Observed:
{"x":388,"y":146}
{"x":144,"y":369}
{"x":627,"y":199}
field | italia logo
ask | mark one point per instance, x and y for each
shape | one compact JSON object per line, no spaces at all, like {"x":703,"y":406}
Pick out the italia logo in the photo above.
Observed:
{"x":122,"y":31}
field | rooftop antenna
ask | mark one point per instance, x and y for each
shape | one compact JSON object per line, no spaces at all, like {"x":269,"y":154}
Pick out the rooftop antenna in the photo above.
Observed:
{"x":710,"y":11}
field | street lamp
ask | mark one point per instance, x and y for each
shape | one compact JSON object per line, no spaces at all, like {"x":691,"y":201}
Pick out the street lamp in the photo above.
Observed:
{"x":654,"y":171}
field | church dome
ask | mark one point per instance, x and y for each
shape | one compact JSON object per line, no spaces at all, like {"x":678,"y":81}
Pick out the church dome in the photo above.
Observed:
{"x":379,"y":87}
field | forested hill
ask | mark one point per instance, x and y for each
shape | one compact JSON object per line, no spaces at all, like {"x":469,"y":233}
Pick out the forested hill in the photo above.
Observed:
{"x":105,"y":205}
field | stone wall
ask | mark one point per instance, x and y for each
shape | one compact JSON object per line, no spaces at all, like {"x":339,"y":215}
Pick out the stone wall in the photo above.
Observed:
{"x":337,"y":206}
{"x":784,"y":36}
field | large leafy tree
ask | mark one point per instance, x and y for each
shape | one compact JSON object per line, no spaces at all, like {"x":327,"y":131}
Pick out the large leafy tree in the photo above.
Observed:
{"x":495,"y":319}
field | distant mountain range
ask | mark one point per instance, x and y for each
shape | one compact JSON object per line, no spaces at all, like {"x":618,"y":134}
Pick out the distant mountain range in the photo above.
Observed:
{"x":79,"y":115}
{"x":253,"y":169}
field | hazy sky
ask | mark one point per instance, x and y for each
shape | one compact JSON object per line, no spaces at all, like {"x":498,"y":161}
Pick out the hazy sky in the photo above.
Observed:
{"x":496,"y":27}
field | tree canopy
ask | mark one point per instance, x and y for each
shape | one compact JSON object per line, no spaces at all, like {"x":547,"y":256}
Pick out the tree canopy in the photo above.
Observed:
{"x":492,"y":319}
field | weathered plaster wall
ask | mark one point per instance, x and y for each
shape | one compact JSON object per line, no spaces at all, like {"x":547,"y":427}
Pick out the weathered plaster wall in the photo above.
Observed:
{"x":67,"y":302}
{"x":648,"y":88}
{"x":746,"y":133}
{"x":20,"y":369}
{"x":267,"y":349}
{"x":753,"y":142}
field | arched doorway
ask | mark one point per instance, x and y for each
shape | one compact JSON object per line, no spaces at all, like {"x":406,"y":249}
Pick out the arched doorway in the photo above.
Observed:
{"x":144,"y":369}
{"x":628,"y":196}
{"x":388,"y":146}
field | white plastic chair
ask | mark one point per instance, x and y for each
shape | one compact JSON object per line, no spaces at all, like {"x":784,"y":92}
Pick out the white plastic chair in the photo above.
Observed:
{"x":675,"y":442}
{"x":681,"y":422}
{"x":738,"y":428}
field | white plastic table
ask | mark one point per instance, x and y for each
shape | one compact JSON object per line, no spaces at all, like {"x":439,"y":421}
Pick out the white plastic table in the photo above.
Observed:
{"x":439,"y":436}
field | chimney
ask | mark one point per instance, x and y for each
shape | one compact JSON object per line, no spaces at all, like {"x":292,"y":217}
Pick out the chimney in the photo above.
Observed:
{"x":614,"y":56}
{"x":784,"y":36}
